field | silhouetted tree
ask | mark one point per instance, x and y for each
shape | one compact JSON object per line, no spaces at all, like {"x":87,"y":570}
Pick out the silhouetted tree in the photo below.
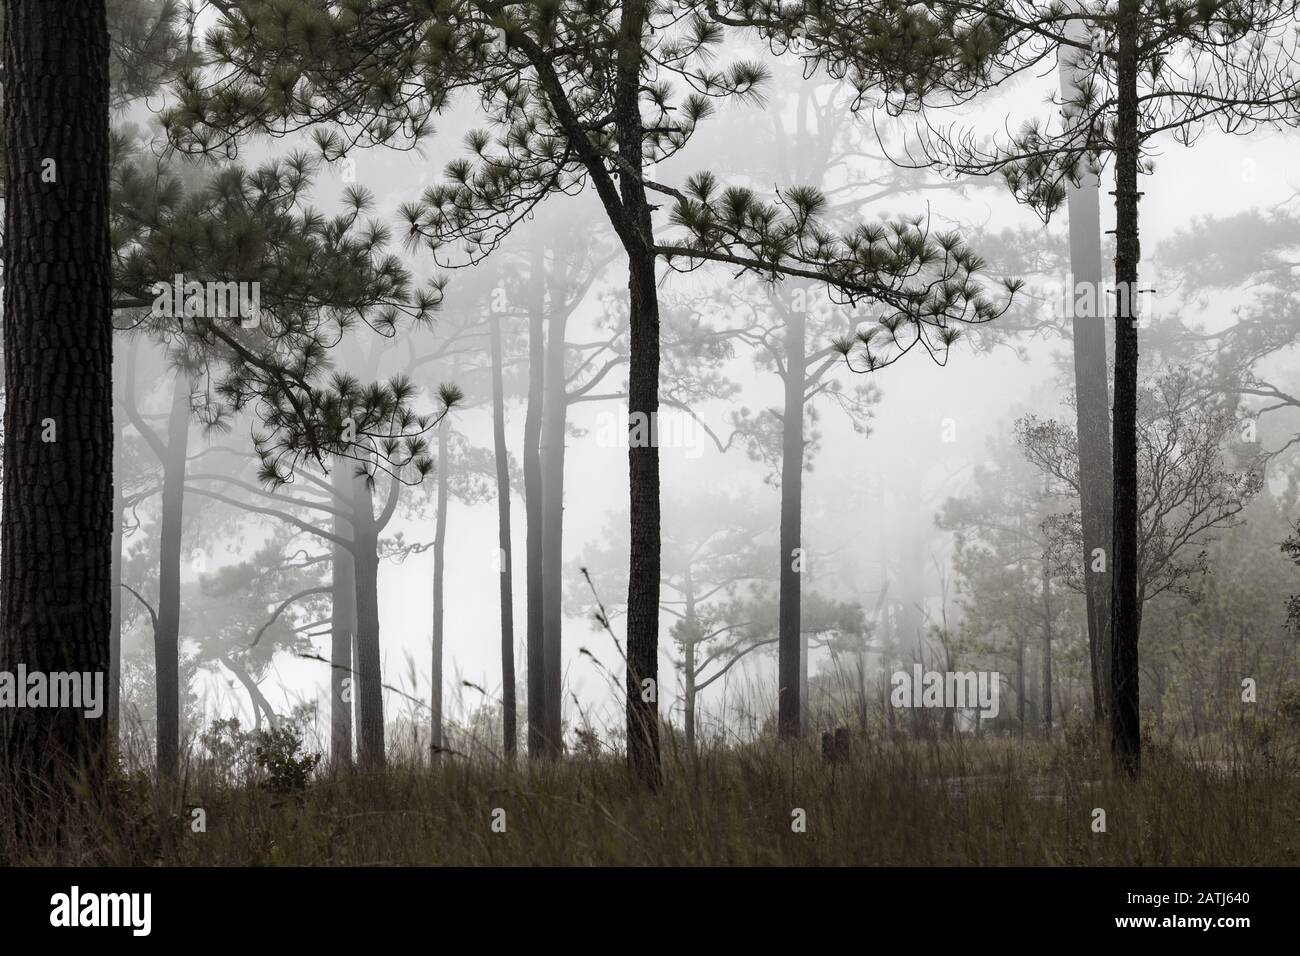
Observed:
{"x":563,"y":88}
{"x":1196,"y":477}
{"x":1143,"y":69}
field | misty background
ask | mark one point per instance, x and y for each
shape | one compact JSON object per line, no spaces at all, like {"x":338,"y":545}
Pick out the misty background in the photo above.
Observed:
{"x":880,"y":472}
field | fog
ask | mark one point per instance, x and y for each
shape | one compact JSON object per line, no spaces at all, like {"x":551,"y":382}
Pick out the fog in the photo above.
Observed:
{"x":870,"y":495}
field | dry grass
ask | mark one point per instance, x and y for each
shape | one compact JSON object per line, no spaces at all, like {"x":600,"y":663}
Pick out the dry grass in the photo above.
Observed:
{"x":950,"y":802}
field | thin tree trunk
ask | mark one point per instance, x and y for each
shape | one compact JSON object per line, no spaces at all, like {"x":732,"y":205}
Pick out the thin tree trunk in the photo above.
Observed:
{"x":57,"y":534}
{"x":1092,"y":394}
{"x":643,"y":480}
{"x":630,"y":213}
{"x":535,"y":638}
{"x":166,"y":636}
{"x":949,"y":713}
{"x":1125,"y":613}
{"x":643,"y":406}
{"x":343,"y":615}
{"x":691,"y":695}
{"x":911,"y":619}
{"x":1047,"y":651}
{"x":1197,"y":706}
{"x":554,"y":414}
{"x":113,"y":710}
{"x":502,"y":458}
{"x":690,"y":627}
{"x":369,"y":691}
{"x":436,"y":740}
{"x":790,"y":654}
{"x":1160,"y":699}
{"x":261,"y":706}
{"x":888,"y":717}
{"x":861,"y":656}
{"x":1020,"y":683}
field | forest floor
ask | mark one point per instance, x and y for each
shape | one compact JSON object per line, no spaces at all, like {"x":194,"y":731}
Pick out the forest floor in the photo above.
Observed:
{"x":991,"y":801}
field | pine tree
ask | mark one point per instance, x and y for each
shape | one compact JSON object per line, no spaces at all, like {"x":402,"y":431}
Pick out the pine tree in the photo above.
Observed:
{"x":1143,"y":69}
{"x":576,"y":94}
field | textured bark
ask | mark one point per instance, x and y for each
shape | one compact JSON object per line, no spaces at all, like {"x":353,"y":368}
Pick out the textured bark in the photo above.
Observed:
{"x":643,"y":403}
{"x":343,"y":617}
{"x":368,"y":690}
{"x":436,"y":740}
{"x":1092,"y":396}
{"x":554,"y":415}
{"x":57,"y":532}
{"x":535,"y":651}
{"x":790,"y":652}
{"x":643,"y":578}
{"x":510,"y":723}
{"x":1125,"y":619}
{"x":166,"y":636}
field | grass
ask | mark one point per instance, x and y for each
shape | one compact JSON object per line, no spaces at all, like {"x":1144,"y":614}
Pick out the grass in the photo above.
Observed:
{"x":988,"y":801}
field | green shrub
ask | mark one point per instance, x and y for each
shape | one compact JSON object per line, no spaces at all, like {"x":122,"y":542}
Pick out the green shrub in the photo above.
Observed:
{"x":269,"y":758}
{"x":276,"y":754}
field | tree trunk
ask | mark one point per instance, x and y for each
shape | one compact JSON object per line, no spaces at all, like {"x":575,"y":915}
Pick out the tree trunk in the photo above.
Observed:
{"x":643,"y":579}
{"x":1047,"y":652}
{"x":862,"y":688}
{"x":1197,"y":707}
{"x":691,"y":695}
{"x":261,"y":706}
{"x":1020,"y":683}
{"x":57,"y":533}
{"x":949,"y":713}
{"x":790,"y":653}
{"x":630,"y":214}
{"x":889,"y":647}
{"x":369,"y":690}
{"x":343,"y":617}
{"x":535,"y":649}
{"x":690,"y":628}
{"x":1160,"y":699}
{"x":1125,"y":613}
{"x":1092,"y":394}
{"x":502,"y":458}
{"x":113,"y":709}
{"x":436,"y":740}
{"x":911,"y":617}
{"x":166,"y":636}
{"x":554,"y":414}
